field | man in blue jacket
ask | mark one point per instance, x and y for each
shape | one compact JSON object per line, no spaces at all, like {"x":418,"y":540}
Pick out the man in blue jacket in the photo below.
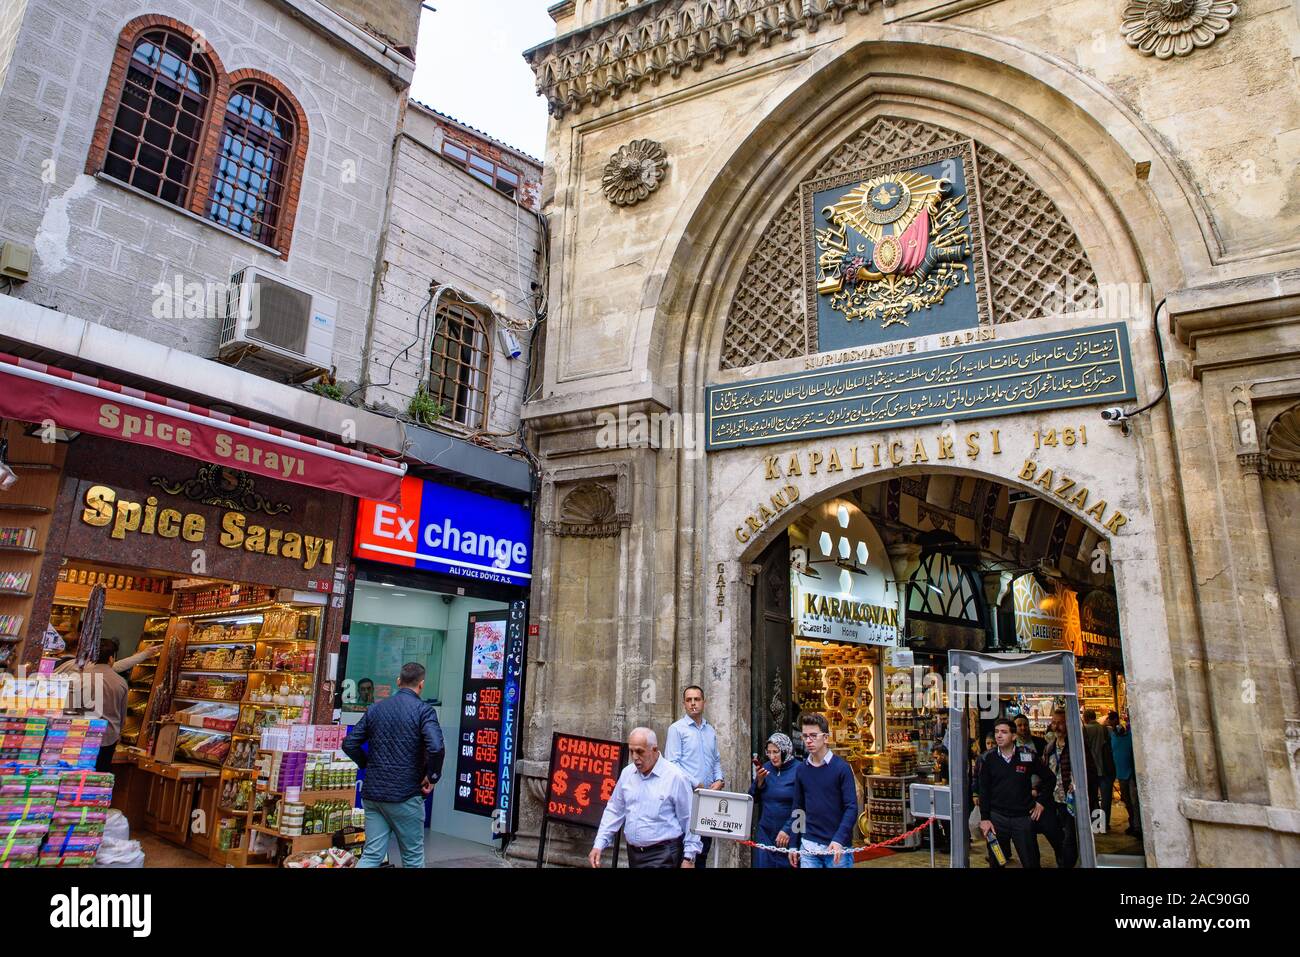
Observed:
{"x":825,"y":801}
{"x":403,"y":763}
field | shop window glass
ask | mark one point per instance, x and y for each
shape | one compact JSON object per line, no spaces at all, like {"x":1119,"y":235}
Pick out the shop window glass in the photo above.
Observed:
{"x":376,"y":653}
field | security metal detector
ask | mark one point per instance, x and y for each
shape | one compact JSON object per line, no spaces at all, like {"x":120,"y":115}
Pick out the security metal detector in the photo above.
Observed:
{"x":1049,"y":673}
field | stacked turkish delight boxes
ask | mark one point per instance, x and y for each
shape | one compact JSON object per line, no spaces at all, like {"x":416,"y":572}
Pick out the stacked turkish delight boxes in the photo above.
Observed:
{"x":53,"y":818}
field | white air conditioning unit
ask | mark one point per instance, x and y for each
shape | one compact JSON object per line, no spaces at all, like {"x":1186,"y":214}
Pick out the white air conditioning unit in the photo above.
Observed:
{"x":283,"y":324}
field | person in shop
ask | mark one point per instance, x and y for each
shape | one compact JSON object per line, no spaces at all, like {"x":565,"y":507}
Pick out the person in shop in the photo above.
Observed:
{"x":972,"y":810}
{"x":1008,"y":809}
{"x":104,"y":692}
{"x":399,"y":743}
{"x":652,"y":804}
{"x":1121,"y":749}
{"x":1026,"y":738}
{"x":773,"y":790}
{"x":939,"y":777}
{"x":365,"y":692}
{"x":825,"y":793}
{"x":1057,"y":757}
{"x":692,"y":746}
{"x":1101,"y":764}
{"x":122,"y":667}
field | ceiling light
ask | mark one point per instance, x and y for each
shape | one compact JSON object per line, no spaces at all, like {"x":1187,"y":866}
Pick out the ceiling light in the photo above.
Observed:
{"x":843,"y":514}
{"x":825,"y":543}
{"x":863,"y":554}
{"x":845,"y":548}
{"x":846,"y":581}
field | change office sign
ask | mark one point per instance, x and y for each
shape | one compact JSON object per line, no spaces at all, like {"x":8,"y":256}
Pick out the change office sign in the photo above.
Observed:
{"x":1050,"y":371}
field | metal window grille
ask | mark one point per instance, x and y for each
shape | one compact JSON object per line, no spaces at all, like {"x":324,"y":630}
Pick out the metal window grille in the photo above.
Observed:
{"x":158,"y":129}
{"x":250,"y":181}
{"x":942,"y":588}
{"x":459,"y":365}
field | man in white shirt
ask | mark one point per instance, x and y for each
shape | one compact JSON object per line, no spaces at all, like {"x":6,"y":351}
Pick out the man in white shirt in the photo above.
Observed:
{"x":652,"y":803}
{"x":692,"y":745}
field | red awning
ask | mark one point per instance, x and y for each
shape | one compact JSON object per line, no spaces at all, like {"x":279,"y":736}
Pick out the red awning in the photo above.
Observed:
{"x":35,"y":392}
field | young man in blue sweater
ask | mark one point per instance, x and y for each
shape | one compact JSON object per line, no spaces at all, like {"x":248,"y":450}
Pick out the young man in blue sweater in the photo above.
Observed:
{"x":825,"y":799}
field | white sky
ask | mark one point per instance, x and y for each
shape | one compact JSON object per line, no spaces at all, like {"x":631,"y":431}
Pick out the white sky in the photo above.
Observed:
{"x":469,"y":64}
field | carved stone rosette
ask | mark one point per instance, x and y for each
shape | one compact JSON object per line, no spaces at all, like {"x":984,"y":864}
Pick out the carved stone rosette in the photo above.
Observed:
{"x":1170,"y":28}
{"x":634,"y":172}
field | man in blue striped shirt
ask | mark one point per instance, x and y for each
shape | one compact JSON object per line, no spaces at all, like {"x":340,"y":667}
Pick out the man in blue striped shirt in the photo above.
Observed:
{"x":692,"y":746}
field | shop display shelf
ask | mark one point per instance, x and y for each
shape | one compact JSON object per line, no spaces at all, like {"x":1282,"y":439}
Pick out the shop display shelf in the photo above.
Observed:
{"x":277,"y":671}
{"x":20,"y":548}
{"x":233,"y":613}
{"x":205,"y":671}
{"x":33,"y":466}
{"x":199,"y":727}
{"x":287,"y":641}
{"x":11,"y":638}
{"x":21,"y":507}
{"x":11,"y":593}
{"x":230,"y":701}
{"x":219,"y":644}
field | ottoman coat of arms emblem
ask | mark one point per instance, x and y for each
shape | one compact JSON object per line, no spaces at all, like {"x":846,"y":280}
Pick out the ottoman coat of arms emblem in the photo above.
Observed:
{"x":894,"y":244}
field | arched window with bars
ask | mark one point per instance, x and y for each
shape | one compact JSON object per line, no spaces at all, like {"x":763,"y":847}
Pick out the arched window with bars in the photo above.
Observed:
{"x":250,"y":181}
{"x":230,"y":147}
{"x":460,"y":364}
{"x":157,"y":131}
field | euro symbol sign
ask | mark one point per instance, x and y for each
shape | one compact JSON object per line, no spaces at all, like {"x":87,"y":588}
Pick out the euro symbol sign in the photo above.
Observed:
{"x":582,"y":794}
{"x":560,"y":783}
{"x":607,"y":789}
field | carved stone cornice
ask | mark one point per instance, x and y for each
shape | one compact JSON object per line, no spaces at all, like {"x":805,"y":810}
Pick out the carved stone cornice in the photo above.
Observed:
{"x":657,"y":38}
{"x":1265,"y":466}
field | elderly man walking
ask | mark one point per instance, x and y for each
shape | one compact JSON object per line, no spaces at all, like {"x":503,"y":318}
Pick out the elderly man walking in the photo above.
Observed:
{"x":652,"y":804}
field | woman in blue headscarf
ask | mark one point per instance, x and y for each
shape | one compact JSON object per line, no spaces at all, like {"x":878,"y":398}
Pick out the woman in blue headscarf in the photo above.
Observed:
{"x":773,"y":792}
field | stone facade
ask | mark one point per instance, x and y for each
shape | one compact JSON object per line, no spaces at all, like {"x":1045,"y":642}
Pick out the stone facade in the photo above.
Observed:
{"x":101,"y":248}
{"x":447,"y":229}
{"x":1150,"y":180}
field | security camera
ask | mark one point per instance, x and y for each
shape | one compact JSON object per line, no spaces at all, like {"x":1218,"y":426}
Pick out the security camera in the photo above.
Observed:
{"x":1114,"y":415}
{"x":509,"y":343}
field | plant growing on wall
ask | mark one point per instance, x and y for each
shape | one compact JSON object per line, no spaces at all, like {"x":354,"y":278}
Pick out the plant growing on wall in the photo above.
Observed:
{"x":423,"y":408}
{"x":325,"y":387}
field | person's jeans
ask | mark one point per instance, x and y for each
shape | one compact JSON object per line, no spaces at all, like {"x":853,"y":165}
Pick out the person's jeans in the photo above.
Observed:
{"x":1067,"y":854}
{"x":405,"y":819}
{"x":1103,"y":790}
{"x":822,"y":860}
{"x":1128,"y":789}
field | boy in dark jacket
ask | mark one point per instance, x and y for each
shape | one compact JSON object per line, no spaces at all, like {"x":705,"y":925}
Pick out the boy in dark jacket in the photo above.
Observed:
{"x":402,"y":765}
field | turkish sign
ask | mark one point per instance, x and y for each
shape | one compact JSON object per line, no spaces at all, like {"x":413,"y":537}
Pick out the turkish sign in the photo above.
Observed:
{"x":582,"y":777}
{"x":896,"y":250}
{"x":1053,"y":370}
{"x":478,"y":756}
{"x":843,"y":618}
{"x":514,"y":671}
{"x":721,"y":814}
{"x":448,"y":530}
{"x":35,"y":392}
